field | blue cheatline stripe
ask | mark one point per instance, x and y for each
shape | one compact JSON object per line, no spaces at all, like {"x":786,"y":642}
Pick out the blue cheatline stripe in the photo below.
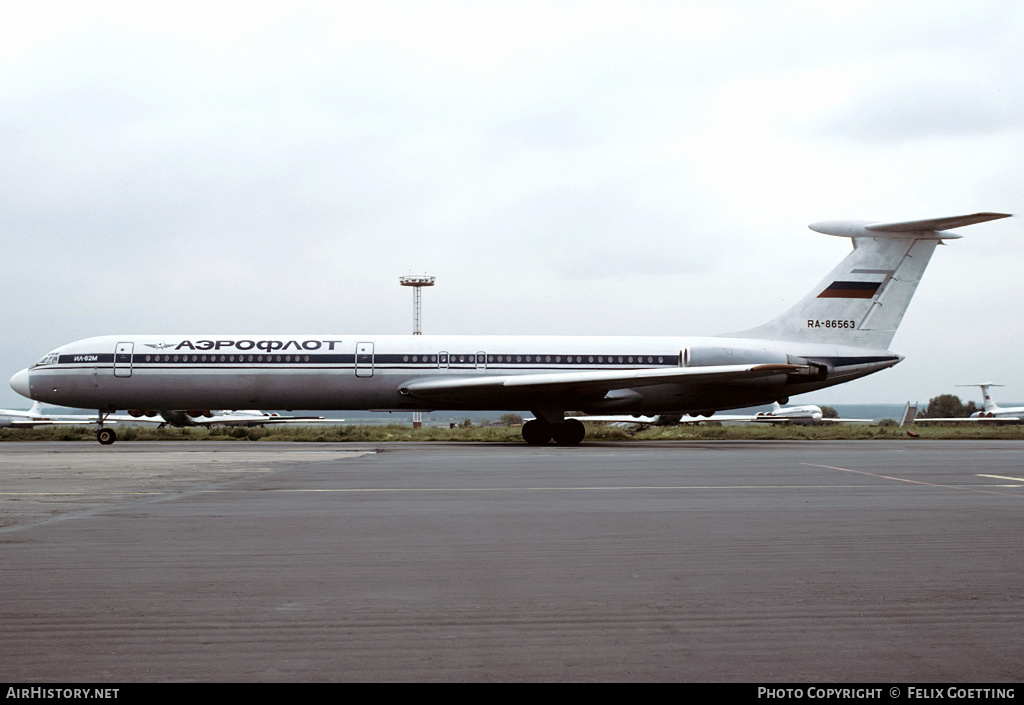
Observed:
{"x":431,"y":360}
{"x":409,"y":361}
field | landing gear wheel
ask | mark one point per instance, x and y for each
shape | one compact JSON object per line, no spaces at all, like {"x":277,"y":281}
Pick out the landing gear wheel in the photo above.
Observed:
{"x":536,"y":432}
{"x":570,"y":433}
{"x":106,"y":436}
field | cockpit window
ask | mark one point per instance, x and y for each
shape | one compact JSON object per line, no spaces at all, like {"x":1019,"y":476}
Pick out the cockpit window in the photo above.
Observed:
{"x":50,"y":359}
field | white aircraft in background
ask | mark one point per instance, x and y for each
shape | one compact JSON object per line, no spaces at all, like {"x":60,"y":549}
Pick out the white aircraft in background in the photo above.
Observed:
{"x":991,"y":412}
{"x":838,"y":332}
{"x":808,"y":413}
{"x":789,"y":414}
{"x":12,"y":418}
{"x":194,"y":417}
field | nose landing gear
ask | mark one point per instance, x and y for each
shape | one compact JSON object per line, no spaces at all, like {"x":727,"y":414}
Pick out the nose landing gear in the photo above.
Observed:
{"x":105,"y":435}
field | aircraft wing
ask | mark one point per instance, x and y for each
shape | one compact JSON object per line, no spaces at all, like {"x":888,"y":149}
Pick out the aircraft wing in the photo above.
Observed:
{"x":37,"y":417}
{"x":593,"y":382}
{"x":618,"y":420}
{"x":795,"y":418}
{"x":23,"y":421}
{"x":768,"y":418}
{"x":729,"y":418}
{"x":758,"y":418}
{"x":684,"y":420}
{"x":974,"y":419}
{"x":226,"y":418}
{"x":255,"y":418}
{"x":131,"y":420}
{"x":30,"y":423}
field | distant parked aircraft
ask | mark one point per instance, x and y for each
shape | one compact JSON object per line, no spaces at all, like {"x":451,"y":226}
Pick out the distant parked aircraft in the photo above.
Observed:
{"x":244,"y":417}
{"x":12,"y":418}
{"x":991,"y":413}
{"x":34,"y":417}
{"x":792,"y":414}
{"x":778,"y":415}
{"x":993,"y":410}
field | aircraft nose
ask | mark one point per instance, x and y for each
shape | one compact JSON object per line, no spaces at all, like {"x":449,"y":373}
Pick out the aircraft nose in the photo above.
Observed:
{"x":19,"y":383}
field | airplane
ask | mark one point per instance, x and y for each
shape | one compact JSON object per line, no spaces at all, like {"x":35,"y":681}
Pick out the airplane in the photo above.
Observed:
{"x":787,"y":414}
{"x":809,"y":413}
{"x":794,"y":414}
{"x":838,"y":332}
{"x":992,"y":412}
{"x":12,"y":418}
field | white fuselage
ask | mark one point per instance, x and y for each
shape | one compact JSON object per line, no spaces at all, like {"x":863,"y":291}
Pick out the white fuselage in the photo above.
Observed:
{"x":375,"y":372}
{"x":809,"y":411}
{"x":998,"y":412}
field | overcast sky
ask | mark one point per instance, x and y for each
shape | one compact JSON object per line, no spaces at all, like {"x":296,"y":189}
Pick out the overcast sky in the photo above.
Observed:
{"x":636,"y":168}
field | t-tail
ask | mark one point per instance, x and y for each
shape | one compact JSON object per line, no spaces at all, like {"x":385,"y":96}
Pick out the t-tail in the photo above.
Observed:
{"x":989,"y":403}
{"x":862,"y":301}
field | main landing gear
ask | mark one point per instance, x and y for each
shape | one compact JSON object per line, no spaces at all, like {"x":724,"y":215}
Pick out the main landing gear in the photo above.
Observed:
{"x":537,"y":432}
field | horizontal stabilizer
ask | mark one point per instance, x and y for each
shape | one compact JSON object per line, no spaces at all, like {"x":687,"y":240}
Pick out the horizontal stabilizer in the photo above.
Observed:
{"x":932,"y":229}
{"x":956,"y":221}
{"x":862,"y":300}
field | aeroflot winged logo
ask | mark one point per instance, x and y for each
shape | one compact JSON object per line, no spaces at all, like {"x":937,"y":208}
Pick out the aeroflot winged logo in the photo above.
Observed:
{"x":263,"y":345}
{"x":850,"y":290}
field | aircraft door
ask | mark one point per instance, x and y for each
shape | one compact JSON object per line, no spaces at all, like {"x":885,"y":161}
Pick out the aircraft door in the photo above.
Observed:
{"x":364,"y":359}
{"x":123,"y":359}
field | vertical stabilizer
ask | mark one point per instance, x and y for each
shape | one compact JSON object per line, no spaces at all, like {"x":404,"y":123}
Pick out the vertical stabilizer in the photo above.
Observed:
{"x":862,"y":301}
{"x":988,"y":402}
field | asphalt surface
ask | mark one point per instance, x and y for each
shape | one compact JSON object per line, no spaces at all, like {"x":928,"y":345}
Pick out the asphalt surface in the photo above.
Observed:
{"x":887,"y":561}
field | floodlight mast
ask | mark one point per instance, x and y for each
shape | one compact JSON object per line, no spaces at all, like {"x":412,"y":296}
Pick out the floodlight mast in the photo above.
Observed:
{"x":417,"y":282}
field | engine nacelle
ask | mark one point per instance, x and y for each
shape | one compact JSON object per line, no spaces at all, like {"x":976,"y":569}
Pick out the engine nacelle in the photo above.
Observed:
{"x":708,"y":356}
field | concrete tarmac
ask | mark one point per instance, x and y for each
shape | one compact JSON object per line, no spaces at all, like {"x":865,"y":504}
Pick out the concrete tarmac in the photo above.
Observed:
{"x":797,"y":562}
